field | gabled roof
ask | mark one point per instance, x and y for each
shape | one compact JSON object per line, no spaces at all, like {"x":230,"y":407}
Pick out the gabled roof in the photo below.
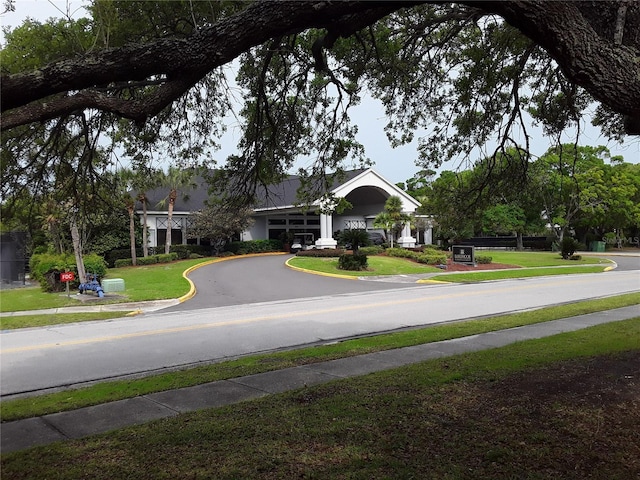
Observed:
{"x":282,"y":195}
{"x":278,"y":196}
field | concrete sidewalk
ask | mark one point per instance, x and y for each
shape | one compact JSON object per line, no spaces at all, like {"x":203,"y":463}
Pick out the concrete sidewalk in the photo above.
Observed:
{"x":22,"y":434}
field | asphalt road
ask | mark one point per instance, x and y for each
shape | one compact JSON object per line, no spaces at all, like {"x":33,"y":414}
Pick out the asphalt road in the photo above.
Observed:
{"x":269,"y":307}
{"x":264,"y":279}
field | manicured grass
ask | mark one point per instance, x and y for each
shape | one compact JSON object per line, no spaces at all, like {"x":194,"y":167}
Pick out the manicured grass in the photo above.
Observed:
{"x":378,"y":265}
{"x":519,"y":273}
{"x":152,"y":282}
{"x":110,"y":391}
{"x":33,"y":298}
{"x":155,"y":282}
{"x":25,"y":321}
{"x":381,"y":265}
{"x":469,"y":416}
{"x":537,"y":259}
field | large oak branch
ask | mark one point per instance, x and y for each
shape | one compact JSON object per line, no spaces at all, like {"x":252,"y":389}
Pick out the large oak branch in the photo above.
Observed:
{"x":572,"y":33}
{"x":207,"y":49}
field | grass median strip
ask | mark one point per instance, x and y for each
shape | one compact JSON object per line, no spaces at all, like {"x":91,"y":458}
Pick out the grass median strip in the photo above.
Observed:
{"x":519,"y":273}
{"x":110,"y":391}
{"x":26,"y":321}
{"x":536,"y":409}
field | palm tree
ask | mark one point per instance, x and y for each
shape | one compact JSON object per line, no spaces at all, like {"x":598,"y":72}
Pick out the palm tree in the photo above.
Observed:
{"x":356,"y":237}
{"x":145,"y":179}
{"x":176,"y":179}
{"x":392,"y":219}
{"x":125,"y":179}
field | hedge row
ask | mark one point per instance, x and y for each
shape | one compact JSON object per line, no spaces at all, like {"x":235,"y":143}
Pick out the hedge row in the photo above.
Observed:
{"x":322,"y":252}
{"x":150,"y":260}
{"x":254,"y":246}
{"x":427,"y":256}
{"x":183,"y":252}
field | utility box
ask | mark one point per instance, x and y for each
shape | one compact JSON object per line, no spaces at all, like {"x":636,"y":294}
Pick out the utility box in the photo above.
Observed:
{"x":597,"y":246}
{"x":113,"y":285}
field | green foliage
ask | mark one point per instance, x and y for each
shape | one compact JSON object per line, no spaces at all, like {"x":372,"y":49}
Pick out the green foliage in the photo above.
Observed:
{"x":254,"y":246}
{"x":44,"y":263}
{"x":354,"y":238}
{"x":372,"y":250}
{"x":401,"y":252}
{"x":167,"y":257}
{"x":321,"y":252}
{"x":431,"y":258}
{"x":150,"y":260}
{"x":183,"y":252}
{"x":353,"y":262}
{"x":45,"y":268}
{"x":95,"y":264}
{"x":568,"y":247}
{"x":123,"y":262}
{"x":484,"y":259}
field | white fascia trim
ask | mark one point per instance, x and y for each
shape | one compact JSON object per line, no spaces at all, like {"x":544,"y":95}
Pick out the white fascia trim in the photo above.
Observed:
{"x":370,"y":171}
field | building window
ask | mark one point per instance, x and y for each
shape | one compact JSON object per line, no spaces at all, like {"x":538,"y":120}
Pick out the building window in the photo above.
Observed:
{"x":355,"y":224}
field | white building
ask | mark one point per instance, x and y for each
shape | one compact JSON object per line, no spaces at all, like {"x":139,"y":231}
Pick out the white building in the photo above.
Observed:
{"x":365,"y":190}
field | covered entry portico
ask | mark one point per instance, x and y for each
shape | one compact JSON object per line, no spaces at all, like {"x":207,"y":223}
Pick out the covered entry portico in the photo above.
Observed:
{"x":367,"y":193}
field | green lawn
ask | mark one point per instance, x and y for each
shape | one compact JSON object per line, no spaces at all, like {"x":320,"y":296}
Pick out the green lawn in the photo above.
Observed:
{"x":519,"y":273}
{"x":381,"y":265}
{"x":378,"y":265}
{"x":536,"y":409}
{"x":537,"y":259}
{"x":152,"y":282}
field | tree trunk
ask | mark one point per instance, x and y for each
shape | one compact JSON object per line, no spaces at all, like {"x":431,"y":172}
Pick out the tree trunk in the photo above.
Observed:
{"x":145,"y":240}
{"x":519,"y":242}
{"x":77,"y":250}
{"x":132,"y":234}
{"x":172,"y":200}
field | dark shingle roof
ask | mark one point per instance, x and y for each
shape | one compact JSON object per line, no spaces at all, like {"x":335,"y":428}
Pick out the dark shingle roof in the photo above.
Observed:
{"x":283,"y":194}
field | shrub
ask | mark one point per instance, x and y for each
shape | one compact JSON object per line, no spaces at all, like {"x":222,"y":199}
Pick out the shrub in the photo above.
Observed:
{"x":254,"y":246}
{"x":123,"y":262}
{"x":354,"y":238}
{"x":402,"y":253}
{"x":568,"y":247}
{"x":167,"y":257}
{"x":321,"y":252}
{"x":355,"y":262}
{"x":183,"y":251}
{"x":485,"y":259}
{"x":95,"y":264}
{"x":150,"y":260}
{"x":432,"y":258}
{"x":46,"y":267}
{"x":372,"y":250}
{"x":575,"y":257}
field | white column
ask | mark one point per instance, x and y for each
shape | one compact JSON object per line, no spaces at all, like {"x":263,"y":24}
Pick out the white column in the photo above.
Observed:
{"x":407,"y":241}
{"x":326,"y":232}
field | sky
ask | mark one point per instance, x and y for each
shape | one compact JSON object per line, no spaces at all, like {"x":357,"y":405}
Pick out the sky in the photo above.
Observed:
{"x":395,"y":164}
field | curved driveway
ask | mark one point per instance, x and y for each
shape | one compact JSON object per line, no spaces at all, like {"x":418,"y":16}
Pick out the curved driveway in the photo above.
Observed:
{"x":247,"y":280}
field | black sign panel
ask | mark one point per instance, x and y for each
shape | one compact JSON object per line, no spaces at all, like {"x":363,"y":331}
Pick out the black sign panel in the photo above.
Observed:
{"x":463,"y":254}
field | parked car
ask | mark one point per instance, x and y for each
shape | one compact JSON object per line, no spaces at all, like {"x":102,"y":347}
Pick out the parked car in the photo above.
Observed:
{"x":377,"y":238}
